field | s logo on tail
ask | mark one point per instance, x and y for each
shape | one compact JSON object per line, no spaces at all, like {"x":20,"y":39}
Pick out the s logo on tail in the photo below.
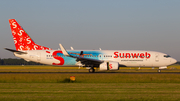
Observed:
{"x":22,"y":40}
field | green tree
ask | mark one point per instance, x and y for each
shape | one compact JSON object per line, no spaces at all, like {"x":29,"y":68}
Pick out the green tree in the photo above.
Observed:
{"x":11,"y":61}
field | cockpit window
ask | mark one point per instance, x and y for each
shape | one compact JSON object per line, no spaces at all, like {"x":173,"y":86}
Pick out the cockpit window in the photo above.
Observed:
{"x":167,"y":56}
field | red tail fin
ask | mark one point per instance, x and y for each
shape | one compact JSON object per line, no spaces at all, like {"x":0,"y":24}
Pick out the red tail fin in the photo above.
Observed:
{"x":22,"y":40}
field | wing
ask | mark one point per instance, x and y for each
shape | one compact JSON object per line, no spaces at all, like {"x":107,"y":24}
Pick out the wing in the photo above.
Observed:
{"x":86,"y":61}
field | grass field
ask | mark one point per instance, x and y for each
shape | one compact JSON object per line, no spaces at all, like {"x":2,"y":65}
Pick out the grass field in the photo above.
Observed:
{"x":97,"y":87}
{"x":90,"y":86}
{"x":90,"y":91}
{"x":45,"y":68}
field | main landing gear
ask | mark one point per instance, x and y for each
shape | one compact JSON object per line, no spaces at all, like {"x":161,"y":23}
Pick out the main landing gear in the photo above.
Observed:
{"x":159,"y":71}
{"x":91,"y":70}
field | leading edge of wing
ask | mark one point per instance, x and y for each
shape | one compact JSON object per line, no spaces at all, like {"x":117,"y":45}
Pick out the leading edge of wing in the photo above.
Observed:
{"x":80,"y":58}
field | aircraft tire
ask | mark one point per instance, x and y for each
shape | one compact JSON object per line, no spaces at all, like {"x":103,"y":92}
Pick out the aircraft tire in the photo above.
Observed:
{"x":92,"y":70}
{"x":159,"y":71}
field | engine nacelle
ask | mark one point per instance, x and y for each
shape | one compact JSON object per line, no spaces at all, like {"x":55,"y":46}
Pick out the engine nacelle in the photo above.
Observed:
{"x":109,"y":66}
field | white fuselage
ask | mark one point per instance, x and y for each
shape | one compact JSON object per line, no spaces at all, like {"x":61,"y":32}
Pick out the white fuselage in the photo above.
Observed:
{"x":129,"y":58}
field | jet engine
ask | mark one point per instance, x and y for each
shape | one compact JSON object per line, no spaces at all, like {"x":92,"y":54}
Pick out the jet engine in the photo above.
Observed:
{"x":109,"y":66}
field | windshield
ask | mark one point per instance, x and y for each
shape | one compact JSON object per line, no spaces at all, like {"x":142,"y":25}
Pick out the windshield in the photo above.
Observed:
{"x":167,"y":56}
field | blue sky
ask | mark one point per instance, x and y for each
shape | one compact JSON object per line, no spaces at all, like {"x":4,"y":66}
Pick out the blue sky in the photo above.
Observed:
{"x":93,"y":24}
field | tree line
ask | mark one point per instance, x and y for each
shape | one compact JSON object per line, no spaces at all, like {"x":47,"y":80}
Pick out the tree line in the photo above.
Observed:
{"x":11,"y":61}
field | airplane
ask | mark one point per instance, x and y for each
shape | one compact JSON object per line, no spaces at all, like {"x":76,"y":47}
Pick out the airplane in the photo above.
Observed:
{"x":27,"y":49}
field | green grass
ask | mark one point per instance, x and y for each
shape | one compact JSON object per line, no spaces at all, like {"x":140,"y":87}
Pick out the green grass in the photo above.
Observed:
{"x":45,"y":68}
{"x":90,"y":91}
{"x":90,"y":78}
{"x":40,"y":68}
{"x":87,"y":87}
{"x":98,"y":87}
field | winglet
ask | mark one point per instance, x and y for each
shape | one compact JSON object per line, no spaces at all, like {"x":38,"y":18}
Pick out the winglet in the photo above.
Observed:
{"x":72,"y":48}
{"x":64,"y":50}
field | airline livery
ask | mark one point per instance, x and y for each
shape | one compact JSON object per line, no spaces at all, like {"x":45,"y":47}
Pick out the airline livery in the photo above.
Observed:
{"x":27,"y":49}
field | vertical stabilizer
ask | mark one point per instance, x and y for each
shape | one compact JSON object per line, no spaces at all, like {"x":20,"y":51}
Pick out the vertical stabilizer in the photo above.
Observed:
{"x":22,"y":40}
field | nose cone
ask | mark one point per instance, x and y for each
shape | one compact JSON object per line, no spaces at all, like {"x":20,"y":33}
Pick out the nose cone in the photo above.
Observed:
{"x":173,"y":60}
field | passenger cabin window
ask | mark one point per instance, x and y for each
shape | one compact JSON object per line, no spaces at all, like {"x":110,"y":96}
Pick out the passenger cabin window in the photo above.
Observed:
{"x":167,"y":56}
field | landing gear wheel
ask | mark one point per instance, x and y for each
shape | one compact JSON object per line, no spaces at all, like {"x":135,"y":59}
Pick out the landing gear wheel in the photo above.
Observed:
{"x":92,"y":70}
{"x":159,"y":71}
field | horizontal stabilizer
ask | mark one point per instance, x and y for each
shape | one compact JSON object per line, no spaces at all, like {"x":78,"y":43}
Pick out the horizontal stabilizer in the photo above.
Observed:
{"x":18,"y":52}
